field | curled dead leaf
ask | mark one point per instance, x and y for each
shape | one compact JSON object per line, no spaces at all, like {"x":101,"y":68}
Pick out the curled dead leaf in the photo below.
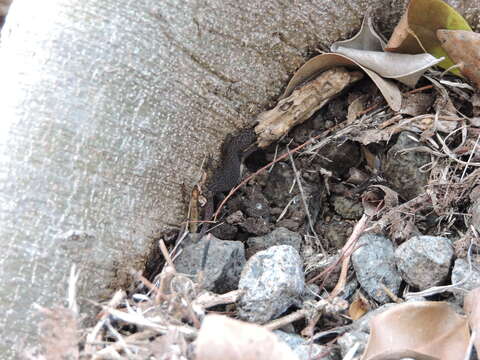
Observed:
{"x":416,"y":31}
{"x":366,"y":49}
{"x":379,"y":197}
{"x":323,"y":62}
{"x":422,"y":330}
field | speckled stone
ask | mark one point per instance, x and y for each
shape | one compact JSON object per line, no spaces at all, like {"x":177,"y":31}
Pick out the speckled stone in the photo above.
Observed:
{"x":272,"y":281}
{"x":424,"y":261}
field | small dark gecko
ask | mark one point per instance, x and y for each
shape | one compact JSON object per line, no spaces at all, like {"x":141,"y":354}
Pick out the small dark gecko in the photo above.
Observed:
{"x":234,"y":149}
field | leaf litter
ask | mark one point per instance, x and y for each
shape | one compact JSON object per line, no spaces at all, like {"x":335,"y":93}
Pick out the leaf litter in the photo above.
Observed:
{"x":320,"y":172}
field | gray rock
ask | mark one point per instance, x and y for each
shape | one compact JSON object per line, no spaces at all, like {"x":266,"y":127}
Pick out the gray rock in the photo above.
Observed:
{"x":374,"y":264}
{"x":402,"y":169}
{"x":351,"y":339}
{"x":459,"y":273}
{"x":301,"y":347}
{"x":424,"y":261}
{"x":279,"y":236}
{"x":224,"y":264}
{"x":347,"y":208}
{"x":273,"y":281}
{"x":349,"y":288}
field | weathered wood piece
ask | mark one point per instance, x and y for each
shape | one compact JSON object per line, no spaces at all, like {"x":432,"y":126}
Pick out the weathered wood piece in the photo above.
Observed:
{"x":302,"y":104}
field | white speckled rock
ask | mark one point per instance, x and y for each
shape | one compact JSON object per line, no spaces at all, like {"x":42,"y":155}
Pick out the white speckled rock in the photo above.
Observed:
{"x":374,"y":264}
{"x":424,"y":261}
{"x":273,"y":280}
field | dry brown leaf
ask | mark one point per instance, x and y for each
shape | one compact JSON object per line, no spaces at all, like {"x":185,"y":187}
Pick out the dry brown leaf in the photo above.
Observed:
{"x":471,"y":306}
{"x":358,"y":308}
{"x":365,"y":51}
{"x":416,"y":31}
{"x":379,"y":197}
{"x":372,"y":160}
{"x":463,"y":47}
{"x":423,"y":330}
{"x":222,"y":338}
{"x":390,"y":197}
{"x":323,"y":62}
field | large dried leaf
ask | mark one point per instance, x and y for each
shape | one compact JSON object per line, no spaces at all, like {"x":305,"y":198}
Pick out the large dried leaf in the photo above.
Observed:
{"x":463,"y":47}
{"x":366,"y":49}
{"x":222,"y":338}
{"x":422,"y":330}
{"x":323,"y":62}
{"x":416,"y":31}
{"x":405,"y":68}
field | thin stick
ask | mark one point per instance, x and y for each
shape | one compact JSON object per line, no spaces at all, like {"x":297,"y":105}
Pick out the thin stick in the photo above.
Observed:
{"x":470,"y":157}
{"x":426,"y":87}
{"x":94,"y":334}
{"x":348,"y":250}
{"x":208,"y":299}
{"x":165,"y":254}
{"x":288,"y":319}
{"x":304,"y":200}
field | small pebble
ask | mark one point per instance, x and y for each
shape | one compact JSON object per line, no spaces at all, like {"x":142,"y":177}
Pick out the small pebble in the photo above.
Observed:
{"x":475,"y":212}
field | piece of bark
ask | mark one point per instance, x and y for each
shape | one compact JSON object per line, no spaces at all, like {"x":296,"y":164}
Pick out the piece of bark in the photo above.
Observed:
{"x":302,"y":104}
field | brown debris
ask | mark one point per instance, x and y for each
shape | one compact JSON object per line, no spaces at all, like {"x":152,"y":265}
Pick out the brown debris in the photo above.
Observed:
{"x":463,"y":47}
